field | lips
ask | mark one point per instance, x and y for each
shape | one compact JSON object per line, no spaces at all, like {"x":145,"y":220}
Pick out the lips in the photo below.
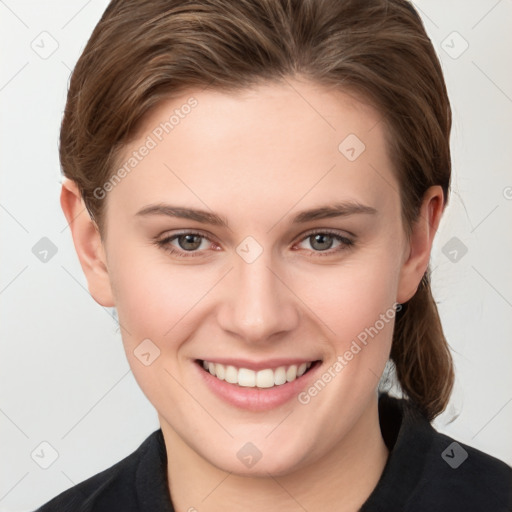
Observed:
{"x":263,"y":378}
{"x":248,"y":391}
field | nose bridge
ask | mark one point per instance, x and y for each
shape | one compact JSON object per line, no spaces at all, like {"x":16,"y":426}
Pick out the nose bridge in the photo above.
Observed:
{"x":258,"y":304}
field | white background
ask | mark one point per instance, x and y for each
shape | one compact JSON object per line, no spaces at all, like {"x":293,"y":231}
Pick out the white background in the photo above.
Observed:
{"x":65,"y":378}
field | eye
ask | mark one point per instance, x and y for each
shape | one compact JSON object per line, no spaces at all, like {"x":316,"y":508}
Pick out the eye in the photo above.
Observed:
{"x":185,"y":244}
{"x":323,"y":241}
{"x":190,"y":243}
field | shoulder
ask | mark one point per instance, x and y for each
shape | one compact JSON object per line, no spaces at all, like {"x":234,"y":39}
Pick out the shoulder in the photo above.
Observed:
{"x":111,"y":489}
{"x":459,"y":477}
{"x":427,"y":470}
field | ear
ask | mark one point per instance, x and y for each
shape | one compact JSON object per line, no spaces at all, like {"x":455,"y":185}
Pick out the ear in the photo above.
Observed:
{"x":420,"y":242}
{"x":88,"y":243}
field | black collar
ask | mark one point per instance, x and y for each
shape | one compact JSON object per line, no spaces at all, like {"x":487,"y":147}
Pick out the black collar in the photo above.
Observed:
{"x":400,"y":422}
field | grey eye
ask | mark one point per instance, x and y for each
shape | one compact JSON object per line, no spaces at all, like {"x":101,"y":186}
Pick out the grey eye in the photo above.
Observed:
{"x":189,"y":242}
{"x":321,"y":241}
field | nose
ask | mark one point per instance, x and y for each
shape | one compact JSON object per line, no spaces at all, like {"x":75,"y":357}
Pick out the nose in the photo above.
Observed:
{"x":259,"y":305}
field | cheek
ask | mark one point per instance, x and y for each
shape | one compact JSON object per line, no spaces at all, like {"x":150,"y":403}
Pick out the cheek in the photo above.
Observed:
{"x":159,"y":300}
{"x":355,"y":301}
{"x":151,"y":295}
{"x":155,"y":303}
{"x":353,"y":293}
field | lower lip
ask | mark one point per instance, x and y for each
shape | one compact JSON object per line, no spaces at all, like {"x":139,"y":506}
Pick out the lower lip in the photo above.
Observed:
{"x":256,"y":399}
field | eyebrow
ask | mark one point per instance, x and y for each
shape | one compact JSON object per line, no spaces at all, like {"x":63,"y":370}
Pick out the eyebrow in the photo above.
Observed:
{"x":324,"y":212}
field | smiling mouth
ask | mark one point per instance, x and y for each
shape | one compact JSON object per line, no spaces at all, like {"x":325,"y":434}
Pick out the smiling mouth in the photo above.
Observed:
{"x":263,"y":379}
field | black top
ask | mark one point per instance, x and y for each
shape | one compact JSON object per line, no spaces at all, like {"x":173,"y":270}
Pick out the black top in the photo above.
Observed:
{"x":426,"y":472}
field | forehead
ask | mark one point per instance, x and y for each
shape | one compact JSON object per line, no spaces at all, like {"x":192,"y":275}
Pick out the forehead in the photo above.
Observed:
{"x":271,"y":144}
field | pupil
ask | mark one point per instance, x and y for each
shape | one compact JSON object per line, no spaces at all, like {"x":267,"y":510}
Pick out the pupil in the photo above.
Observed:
{"x":189,"y":242}
{"x":321,"y":242}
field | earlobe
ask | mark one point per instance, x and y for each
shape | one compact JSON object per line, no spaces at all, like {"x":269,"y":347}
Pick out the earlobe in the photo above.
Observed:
{"x":420,"y":243}
{"x":88,"y":243}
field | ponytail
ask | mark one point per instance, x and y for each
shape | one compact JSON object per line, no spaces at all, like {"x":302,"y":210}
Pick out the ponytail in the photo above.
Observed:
{"x":420,"y":352}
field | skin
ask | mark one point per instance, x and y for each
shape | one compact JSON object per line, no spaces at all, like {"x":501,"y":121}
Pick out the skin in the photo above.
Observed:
{"x":258,"y":158}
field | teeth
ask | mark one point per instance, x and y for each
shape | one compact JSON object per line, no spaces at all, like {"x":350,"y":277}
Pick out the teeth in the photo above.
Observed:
{"x":220,"y":371}
{"x":301,"y":369}
{"x":291,"y":373}
{"x":266,"y":378}
{"x":279,"y":375}
{"x":231,"y":375}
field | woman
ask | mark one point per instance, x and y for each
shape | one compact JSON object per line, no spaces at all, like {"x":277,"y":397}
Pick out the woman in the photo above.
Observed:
{"x":263,"y":181}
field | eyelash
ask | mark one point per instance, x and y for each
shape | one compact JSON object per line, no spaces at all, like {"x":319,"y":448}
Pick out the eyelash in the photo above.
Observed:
{"x":345,"y":243}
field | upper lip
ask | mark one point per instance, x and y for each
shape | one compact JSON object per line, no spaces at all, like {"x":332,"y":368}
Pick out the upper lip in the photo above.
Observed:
{"x":259,"y":365}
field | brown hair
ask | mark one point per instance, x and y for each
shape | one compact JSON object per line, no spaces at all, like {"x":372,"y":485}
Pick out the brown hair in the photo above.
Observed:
{"x":144,"y":51}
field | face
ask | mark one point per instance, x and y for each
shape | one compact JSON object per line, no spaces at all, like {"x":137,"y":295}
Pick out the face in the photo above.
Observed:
{"x":255,"y":251}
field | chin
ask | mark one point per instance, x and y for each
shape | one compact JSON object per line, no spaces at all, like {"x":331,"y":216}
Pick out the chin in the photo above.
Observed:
{"x":273,"y":465}
{"x":258,"y":458}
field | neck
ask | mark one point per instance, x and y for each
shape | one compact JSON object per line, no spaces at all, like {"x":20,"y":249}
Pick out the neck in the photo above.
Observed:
{"x":340,"y":481}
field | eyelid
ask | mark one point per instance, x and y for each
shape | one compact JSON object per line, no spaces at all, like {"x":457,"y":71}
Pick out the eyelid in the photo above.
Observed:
{"x":166,"y":235}
{"x":328,"y":231}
